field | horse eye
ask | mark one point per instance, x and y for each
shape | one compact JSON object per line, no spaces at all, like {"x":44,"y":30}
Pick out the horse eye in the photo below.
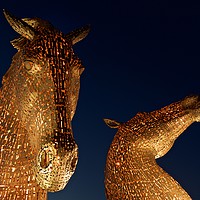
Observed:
{"x":28,"y":64}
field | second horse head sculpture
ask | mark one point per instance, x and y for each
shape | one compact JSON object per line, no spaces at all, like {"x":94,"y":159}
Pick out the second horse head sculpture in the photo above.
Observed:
{"x":131,"y":170}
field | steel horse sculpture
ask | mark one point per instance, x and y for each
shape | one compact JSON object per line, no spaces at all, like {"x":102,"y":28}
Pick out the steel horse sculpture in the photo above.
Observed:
{"x":38,"y":99}
{"x":131,"y":170}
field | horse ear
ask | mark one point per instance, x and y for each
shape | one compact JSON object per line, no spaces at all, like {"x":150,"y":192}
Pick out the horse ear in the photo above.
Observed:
{"x":20,"y":26}
{"x":78,"y":34}
{"x":112,"y":123}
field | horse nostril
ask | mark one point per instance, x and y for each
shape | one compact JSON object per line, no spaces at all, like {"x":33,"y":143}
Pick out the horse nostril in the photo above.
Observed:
{"x":73,"y":163}
{"x":44,"y":159}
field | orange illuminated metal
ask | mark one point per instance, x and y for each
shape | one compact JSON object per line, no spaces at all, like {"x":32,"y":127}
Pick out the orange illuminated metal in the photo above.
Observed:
{"x":38,"y":99}
{"x":131,"y":170}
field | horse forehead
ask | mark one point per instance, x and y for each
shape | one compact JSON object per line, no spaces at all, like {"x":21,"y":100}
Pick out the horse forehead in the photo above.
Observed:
{"x":49,"y":45}
{"x":52,"y":39}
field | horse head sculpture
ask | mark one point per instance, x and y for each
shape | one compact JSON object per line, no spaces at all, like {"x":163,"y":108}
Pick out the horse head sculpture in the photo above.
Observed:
{"x":38,"y":101}
{"x":131,"y":170}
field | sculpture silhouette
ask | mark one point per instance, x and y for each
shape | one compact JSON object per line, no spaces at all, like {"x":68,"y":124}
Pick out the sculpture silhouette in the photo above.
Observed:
{"x":131,"y":170}
{"x":37,"y":103}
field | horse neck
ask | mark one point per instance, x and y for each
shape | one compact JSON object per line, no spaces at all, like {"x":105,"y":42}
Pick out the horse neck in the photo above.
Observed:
{"x":123,"y":154}
{"x":22,"y":192}
{"x":133,"y":173}
{"x":17,"y":180}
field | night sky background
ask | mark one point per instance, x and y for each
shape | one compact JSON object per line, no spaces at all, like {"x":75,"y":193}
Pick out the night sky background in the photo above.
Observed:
{"x":139,"y":56}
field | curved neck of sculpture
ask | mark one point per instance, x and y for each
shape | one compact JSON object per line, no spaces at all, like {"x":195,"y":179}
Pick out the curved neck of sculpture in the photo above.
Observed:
{"x":137,"y":175}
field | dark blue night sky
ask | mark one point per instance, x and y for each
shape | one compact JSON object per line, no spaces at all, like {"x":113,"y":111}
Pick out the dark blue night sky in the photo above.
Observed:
{"x":139,"y":56}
